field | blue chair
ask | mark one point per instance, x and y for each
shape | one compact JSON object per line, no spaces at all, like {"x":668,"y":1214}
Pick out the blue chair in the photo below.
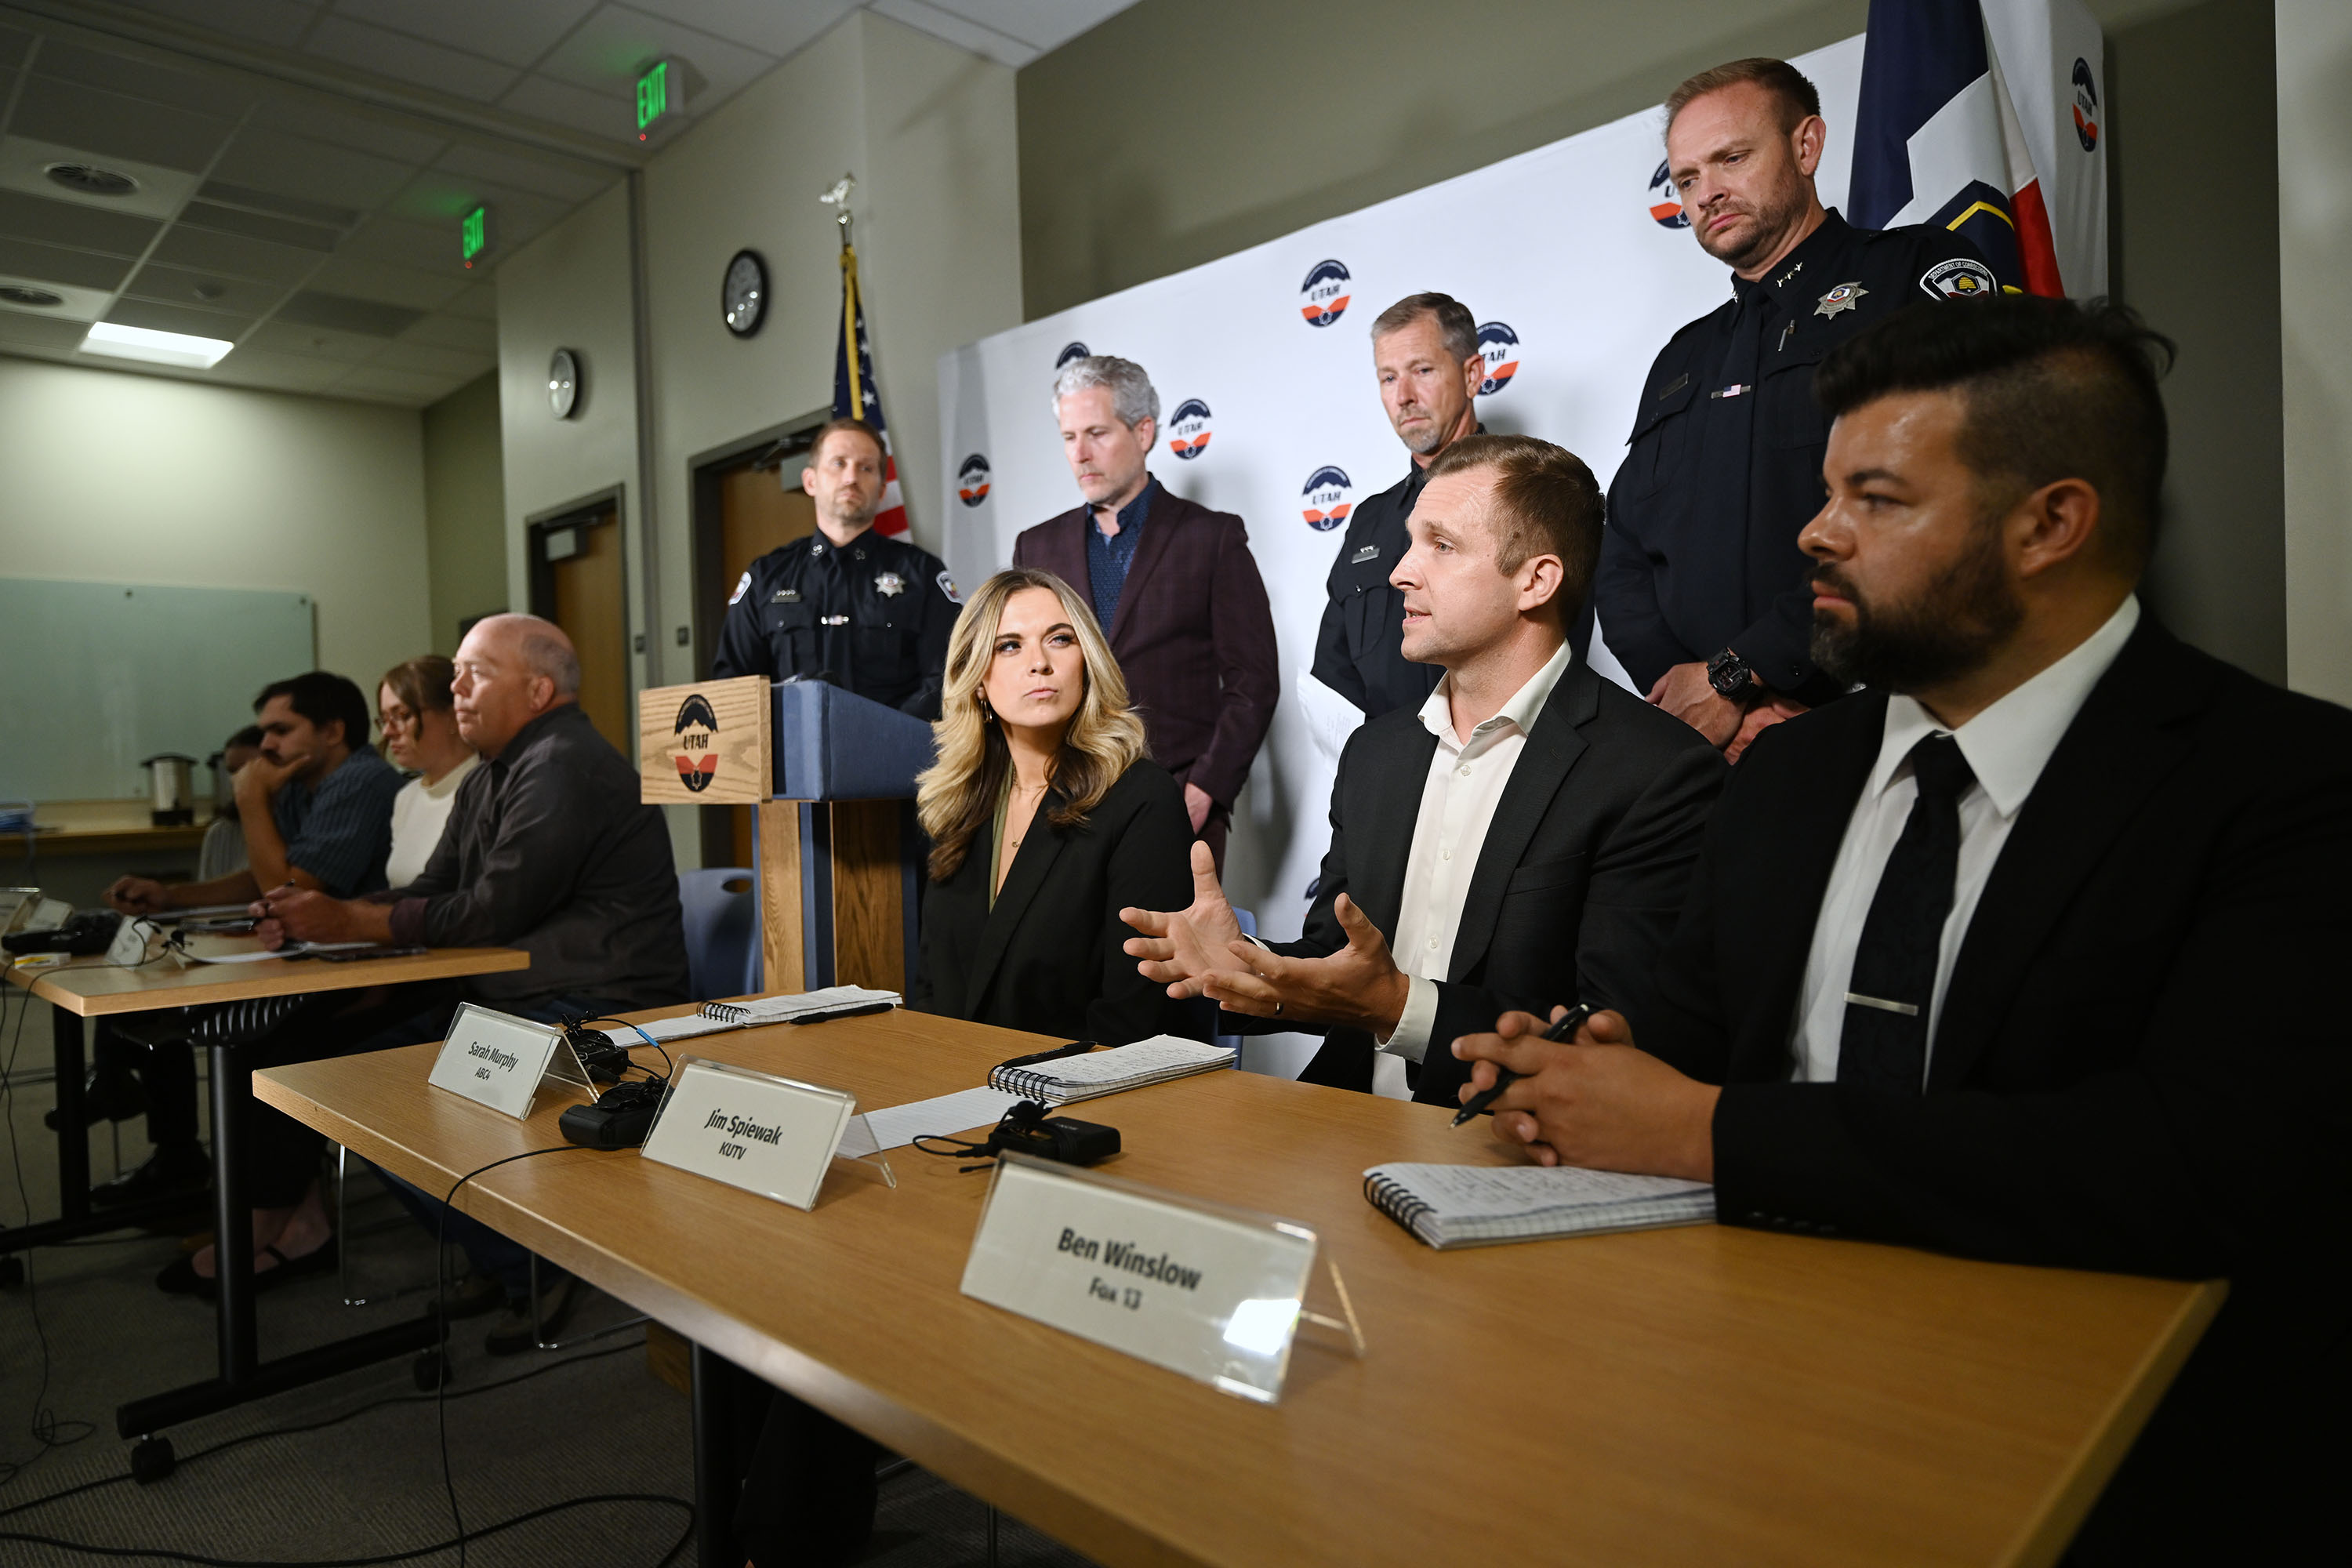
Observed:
{"x":722,"y":932}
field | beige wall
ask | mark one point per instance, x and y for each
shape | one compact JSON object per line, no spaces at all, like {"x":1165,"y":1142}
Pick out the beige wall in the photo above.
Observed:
{"x":465,"y":509}
{"x":2315,"y":123}
{"x":115,"y":478}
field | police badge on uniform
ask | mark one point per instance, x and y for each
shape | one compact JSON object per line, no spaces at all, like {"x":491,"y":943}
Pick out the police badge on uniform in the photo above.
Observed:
{"x":890,"y":585}
{"x":1959,"y":279}
{"x":1844,"y":297}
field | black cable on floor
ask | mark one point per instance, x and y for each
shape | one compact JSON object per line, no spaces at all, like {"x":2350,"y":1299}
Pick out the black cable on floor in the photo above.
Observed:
{"x":48,"y":1432}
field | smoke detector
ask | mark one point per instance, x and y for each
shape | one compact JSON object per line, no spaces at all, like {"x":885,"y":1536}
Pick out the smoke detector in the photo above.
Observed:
{"x":90,"y":180}
{"x":19,"y":294}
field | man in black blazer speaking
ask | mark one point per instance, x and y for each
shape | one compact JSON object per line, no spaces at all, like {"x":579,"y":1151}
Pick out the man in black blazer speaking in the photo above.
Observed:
{"x":1529,"y":821}
{"x":2029,"y":953}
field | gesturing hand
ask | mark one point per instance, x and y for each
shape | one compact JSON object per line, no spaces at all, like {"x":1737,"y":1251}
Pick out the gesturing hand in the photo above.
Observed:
{"x":1359,"y":986}
{"x":1594,"y":1100}
{"x":1177,"y":947}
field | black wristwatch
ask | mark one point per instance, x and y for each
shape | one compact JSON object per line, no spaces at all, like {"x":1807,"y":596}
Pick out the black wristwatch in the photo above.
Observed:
{"x":1732,"y":679}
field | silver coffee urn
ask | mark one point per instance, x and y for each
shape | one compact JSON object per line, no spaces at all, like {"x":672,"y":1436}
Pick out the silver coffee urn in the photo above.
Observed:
{"x":172,"y":795}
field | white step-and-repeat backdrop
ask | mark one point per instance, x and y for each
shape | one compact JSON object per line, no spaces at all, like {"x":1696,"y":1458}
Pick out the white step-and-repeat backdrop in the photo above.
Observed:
{"x":1574,"y":258}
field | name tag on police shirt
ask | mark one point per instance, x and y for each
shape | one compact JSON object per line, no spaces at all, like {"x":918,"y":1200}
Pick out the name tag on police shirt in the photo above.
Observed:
{"x":496,"y":1059}
{"x":773,"y":1136}
{"x":1213,"y":1293}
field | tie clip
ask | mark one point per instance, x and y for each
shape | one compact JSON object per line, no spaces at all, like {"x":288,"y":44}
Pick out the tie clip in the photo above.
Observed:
{"x":1881,"y":1004}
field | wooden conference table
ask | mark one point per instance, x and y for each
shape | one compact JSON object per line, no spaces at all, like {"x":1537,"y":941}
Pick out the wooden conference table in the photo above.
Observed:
{"x":92,"y":988}
{"x":1705,"y":1395}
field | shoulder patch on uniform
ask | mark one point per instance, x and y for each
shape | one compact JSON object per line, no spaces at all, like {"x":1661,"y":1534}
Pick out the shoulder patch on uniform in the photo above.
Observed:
{"x":947,"y":587}
{"x":1959,"y":279}
{"x":741,"y":589}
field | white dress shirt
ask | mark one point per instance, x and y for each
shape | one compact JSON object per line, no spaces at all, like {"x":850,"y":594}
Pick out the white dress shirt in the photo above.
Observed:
{"x":1466,"y":779}
{"x":2007,"y":746}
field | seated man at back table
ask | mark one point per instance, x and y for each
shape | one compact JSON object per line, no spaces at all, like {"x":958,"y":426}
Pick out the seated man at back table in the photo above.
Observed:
{"x":549,"y":850}
{"x":2028,"y":953}
{"x":315,"y":811}
{"x":1530,"y":822}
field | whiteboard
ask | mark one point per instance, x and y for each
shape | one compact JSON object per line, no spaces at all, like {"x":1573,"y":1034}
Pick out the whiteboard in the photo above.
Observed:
{"x":95,"y":676}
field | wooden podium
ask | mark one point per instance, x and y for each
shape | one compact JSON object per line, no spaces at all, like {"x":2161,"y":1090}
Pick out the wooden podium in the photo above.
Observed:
{"x":832,"y":777}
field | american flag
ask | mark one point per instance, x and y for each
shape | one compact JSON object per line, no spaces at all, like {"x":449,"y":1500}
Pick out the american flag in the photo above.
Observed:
{"x":855,"y":395}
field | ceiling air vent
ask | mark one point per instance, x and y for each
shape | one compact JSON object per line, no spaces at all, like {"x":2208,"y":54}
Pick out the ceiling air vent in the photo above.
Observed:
{"x":91,"y":180}
{"x":18,"y":294}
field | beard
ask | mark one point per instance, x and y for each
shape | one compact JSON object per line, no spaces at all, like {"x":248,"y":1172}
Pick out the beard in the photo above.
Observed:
{"x":1775,"y":219}
{"x":1967,"y":611}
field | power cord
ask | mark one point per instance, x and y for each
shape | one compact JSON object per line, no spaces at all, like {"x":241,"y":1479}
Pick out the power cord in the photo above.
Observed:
{"x":48,"y":1432}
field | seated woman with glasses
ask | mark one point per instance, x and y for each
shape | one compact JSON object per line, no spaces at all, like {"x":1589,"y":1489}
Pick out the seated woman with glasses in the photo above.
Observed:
{"x":1045,"y":819}
{"x":418,"y":716}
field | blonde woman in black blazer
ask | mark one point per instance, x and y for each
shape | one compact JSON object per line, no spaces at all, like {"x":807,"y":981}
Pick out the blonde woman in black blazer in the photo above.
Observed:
{"x":1046,"y":819}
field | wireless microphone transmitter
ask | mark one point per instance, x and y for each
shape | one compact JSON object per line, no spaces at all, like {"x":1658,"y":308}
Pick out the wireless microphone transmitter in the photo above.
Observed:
{"x":619,"y":1121}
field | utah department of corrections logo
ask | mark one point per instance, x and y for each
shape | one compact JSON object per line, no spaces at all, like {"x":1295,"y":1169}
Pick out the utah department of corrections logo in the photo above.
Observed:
{"x":1665,"y":202}
{"x":1323,"y":297}
{"x":1328,"y":498}
{"x":1188,"y":429}
{"x":696,"y":728}
{"x":1960,"y":278}
{"x":1500,"y":345}
{"x":972,"y":480}
{"x":1070,"y":352}
{"x":2086,"y":107}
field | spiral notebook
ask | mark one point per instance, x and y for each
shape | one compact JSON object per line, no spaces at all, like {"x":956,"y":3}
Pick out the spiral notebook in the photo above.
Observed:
{"x":800,"y":1007}
{"x":1478,"y":1206}
{"x":1122,"y":1068}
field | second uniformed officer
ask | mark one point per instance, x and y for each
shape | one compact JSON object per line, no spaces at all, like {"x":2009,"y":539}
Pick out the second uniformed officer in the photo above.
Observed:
{"x":872,"y":612}
{"x":1701,"y":589}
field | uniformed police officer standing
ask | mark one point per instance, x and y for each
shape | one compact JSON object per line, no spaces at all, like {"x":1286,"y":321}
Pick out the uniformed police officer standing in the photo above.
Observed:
{"x":1701,"y":588}
{"x":873,"y":612}
{"x":1425,"y":351}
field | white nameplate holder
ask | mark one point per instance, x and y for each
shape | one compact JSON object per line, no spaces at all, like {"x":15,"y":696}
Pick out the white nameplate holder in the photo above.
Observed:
{"x":131,"y":938}
{"x":500,"y":1060}
{"x":1215,"y":1293}
{"x":773,"y":1136}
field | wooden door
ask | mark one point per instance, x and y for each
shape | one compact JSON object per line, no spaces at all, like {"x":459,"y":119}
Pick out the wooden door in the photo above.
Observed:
{"x":756,"y":514}
{"x":588,"y":598}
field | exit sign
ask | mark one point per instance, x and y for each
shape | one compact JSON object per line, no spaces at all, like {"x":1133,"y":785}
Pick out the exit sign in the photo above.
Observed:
{"x":661,"y":95}
{"x":475,"y":236}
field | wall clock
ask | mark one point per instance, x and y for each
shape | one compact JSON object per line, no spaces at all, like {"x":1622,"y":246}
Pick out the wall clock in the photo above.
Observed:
{"x":743,"y":293}
{"x":564,"y":384}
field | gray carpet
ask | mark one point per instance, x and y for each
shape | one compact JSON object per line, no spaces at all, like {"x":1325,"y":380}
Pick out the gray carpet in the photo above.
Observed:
{"x":524,"y":1432}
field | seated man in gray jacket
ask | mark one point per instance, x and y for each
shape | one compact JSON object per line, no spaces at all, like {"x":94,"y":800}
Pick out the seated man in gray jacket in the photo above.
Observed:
{"x":548,"y":850}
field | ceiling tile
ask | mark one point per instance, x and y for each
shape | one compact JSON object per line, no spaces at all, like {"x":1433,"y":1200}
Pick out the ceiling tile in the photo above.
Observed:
{"x":960,"y":31}
{"x":442,"y":331}
{"x":355,"y":126}
{"x":435,"y":362}
{"x":12,"y":44}
{"x":177,"y":318}
{"x":562,"y":184}
{"x":344,"y":313}
{"x":313,"y":342}
{"x":516,"y":31}
{"x":180,"y":286}
{"x":108,"y":124}
{"x":260,"y":225}
{"x":238,"y":258}
{"x":249,"y":366}
{"x":1047,"y":24}
{"x":24,"y":163}
{"x":49,"y":264}
{"x":761,"y":23}
{"x":408,"y":386}
{"x":314,"y":171}
{"x":437,"y":198}
{"x":614,"y":46}
{"x":19,"y":330}
{"x":278,"y":22}
{"x":389,"y":285}
{"x":218,"y":94}
{"x":74,"y":224}
{"x":604,"y":113}
{"x":479,"y":303}
{"x":276,"y":203}
{"x":410,"y":60}
{"x":394,"y":242}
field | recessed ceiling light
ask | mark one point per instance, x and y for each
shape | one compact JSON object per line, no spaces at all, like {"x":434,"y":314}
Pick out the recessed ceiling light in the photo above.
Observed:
{"x":91,"y":180}
{"x":158,"y":348}
{"x":18,"y":294}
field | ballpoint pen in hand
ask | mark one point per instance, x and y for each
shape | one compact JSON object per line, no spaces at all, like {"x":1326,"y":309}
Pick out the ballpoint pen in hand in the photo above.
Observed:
{"x":1504,"y":1077}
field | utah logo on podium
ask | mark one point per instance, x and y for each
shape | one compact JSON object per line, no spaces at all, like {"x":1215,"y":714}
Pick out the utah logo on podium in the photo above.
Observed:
{"x":707,"y":744}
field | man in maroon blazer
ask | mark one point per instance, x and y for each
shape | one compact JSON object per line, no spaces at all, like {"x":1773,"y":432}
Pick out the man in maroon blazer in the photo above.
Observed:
{"x":1173,"y":583}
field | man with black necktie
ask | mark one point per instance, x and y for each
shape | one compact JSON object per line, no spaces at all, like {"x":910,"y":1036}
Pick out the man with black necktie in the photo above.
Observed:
{"x":2028,"y":954}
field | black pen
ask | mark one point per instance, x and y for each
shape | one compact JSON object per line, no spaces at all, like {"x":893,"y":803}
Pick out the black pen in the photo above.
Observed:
{"x":1075,"y":1048}
{"x":1504,"y":1077}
